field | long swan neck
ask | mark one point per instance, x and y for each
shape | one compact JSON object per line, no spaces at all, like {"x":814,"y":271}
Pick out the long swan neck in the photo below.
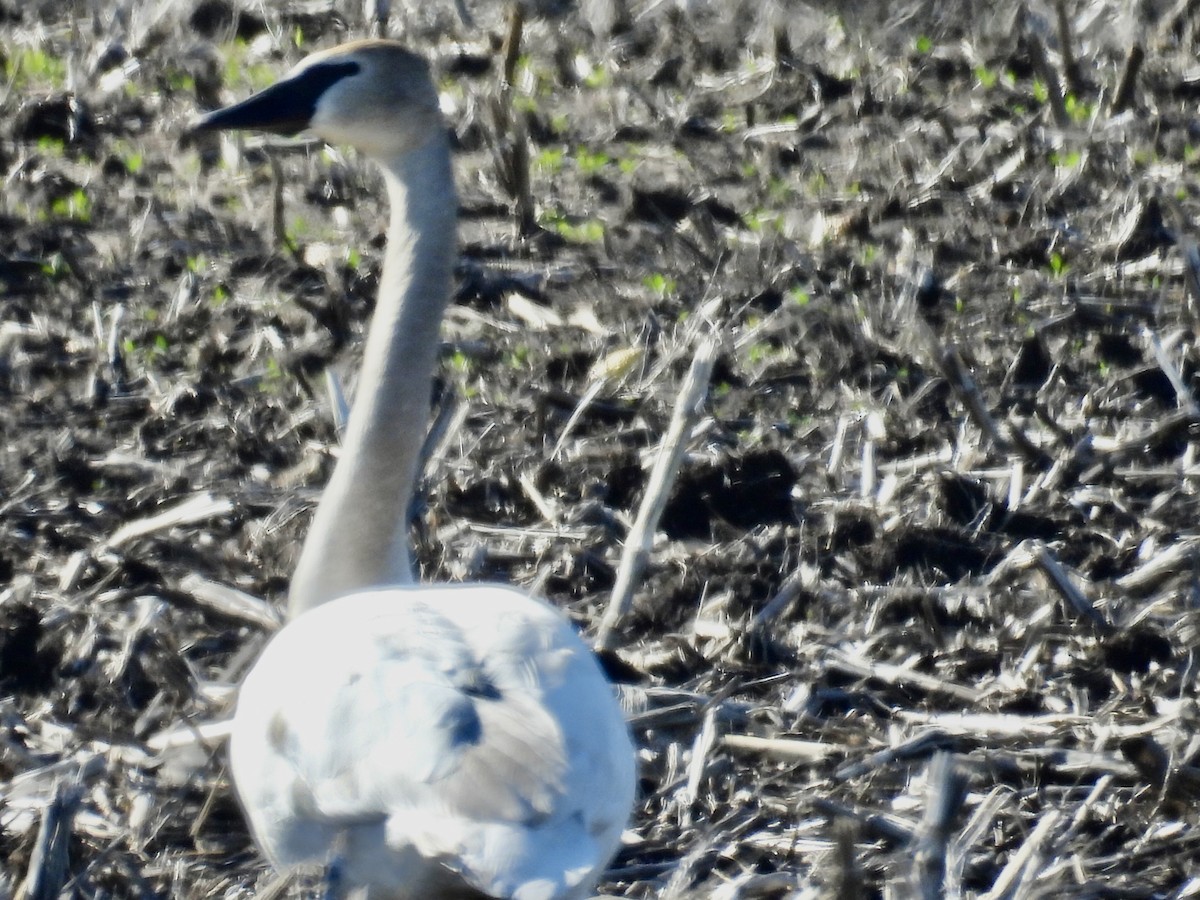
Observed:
{"x":359,"y":534}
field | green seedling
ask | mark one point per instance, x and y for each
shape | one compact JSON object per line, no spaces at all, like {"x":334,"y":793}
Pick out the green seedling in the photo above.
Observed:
{"x":519,"y":358}
{"x":986,"y":77}
{"x":578,"y":231}
{"x":75,"y":206}
{"x":55,"y":266}
{"x":239,"y":73}
{"x":33,"y":67}
{"x":763,"y":220}
{"x":50,"y":146}
{"x":274,"y":378}
{"x":1068,"y":160}
{"x":597,"y":78}
{"x":180,"y":82}
{"x":549,"y":160}
{"x":1080,"y":111}
{"x":590,"y":163}
{"x":660,"y":284}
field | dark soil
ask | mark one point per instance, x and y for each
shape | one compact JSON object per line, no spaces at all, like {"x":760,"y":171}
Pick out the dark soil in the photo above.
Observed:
{"x":922,"y":612}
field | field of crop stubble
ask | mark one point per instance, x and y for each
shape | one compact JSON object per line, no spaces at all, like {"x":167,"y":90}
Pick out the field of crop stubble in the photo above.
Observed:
{"x":920,"y":615}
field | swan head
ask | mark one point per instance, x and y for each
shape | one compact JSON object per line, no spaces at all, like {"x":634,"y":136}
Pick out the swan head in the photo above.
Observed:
{"x":374,"y":95}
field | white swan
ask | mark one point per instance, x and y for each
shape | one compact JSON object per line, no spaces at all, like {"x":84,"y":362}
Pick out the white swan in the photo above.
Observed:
{"x":436,"y":740}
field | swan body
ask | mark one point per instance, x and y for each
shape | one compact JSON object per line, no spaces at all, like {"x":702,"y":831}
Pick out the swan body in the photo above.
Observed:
{"x":431,"y":741}
{"x":458,"y":734}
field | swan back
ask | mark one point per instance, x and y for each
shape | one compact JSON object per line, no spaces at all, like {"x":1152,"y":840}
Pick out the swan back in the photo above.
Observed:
{"x":465,"y":725}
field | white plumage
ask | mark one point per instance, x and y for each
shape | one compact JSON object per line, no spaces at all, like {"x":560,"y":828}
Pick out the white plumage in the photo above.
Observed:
{"x":486,"y":742}
{"x":441,"y":741}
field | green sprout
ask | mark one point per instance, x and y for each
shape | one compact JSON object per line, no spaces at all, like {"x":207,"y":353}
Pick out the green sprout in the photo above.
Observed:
{"x":660,"y":284}
{"x":34,"y":67}
{"x":549,"y":160}
{"x":274,"y":378}
{"x":1080,"y":111}
{"x":799,"y":296}
{"x":986,"y":77}
{"x":576,"y":230}
{"x":55,"y":266}
{"x":75,"y":206}
{"x":597,"y":78}
{"x":51,"y":146}
{"x":589,"y":162}
{"x":1070,"y":160}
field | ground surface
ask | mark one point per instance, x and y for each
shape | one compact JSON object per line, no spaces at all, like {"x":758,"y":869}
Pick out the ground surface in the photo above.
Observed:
{"x":941,"y":496}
